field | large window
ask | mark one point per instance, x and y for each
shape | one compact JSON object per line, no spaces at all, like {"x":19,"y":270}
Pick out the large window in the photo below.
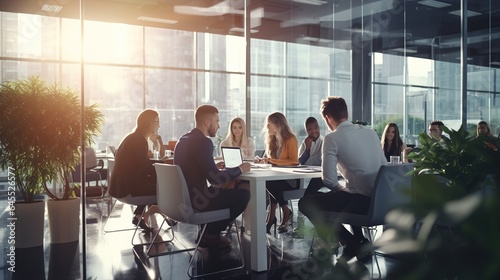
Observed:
{"x":389,"y":64}
{"x":393,"y":61}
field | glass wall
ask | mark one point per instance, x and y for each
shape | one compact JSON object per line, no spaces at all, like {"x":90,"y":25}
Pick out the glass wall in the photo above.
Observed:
{"x":393,"y":61}
{"x":389,"y":64}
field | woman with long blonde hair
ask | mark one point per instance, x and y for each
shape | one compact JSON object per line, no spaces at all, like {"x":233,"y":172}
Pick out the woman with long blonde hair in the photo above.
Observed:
{"x":237,"y":137}
{"x":281,"y":149}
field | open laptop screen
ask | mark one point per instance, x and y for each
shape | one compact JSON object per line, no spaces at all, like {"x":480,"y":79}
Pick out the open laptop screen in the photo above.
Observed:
{"x":231,"y":156}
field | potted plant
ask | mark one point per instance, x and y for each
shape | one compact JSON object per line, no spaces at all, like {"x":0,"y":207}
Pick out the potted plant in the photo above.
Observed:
{"x":40,"y":139}
{"x":456,"y":195}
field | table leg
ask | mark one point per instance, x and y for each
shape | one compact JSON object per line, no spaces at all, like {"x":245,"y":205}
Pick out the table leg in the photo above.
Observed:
{"x":257,"y":208}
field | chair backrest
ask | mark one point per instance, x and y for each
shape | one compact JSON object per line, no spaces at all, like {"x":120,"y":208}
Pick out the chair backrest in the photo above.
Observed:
{"x":90,"y":158}
{"x":111,"y":149}
{"x":111,"y":166}
{"x":172,"y":192}
{"x":392,"y":188}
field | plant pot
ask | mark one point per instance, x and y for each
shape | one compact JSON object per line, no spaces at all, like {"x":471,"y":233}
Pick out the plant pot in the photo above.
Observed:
{"x":64,"y":220}
{"x":28,"y":226}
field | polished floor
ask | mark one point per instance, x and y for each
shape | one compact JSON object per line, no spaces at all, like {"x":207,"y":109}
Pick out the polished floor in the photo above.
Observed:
{"x":111,"y":255}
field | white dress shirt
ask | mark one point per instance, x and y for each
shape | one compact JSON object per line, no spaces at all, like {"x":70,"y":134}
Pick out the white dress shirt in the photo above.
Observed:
{"x":355,"y":151}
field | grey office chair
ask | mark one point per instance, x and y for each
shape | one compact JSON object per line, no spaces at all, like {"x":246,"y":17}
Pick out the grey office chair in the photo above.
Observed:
{"x":392,"y":188}
{"x":174,"y":201}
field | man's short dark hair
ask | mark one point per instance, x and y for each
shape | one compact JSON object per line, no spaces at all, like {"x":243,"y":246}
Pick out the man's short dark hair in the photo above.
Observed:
{"x":335,"y":107}
{"x":311,"y":120}
{"x":440,"y":123}
{"x":203,"y":111}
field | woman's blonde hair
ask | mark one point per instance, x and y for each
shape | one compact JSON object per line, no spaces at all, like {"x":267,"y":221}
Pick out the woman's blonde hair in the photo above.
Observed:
{"x":230,"y":134}
{"x":145,"y":120}
{"x":275,"y":142}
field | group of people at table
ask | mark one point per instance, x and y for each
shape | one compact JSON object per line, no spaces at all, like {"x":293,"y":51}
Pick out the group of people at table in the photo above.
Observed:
{"x":354,"y":151}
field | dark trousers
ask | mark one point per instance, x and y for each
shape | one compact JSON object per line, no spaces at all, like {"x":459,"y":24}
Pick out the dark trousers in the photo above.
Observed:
{"x":234,"y":199}
{"x":313,"y":187}
{"x":313,"y":205}
{"x":276,"y":189}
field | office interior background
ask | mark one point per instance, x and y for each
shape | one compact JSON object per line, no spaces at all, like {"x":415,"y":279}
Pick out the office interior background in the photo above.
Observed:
{"x":407,"y":62}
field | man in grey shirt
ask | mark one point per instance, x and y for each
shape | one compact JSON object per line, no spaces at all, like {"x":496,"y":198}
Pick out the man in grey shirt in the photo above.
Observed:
{"x":355,"y":151}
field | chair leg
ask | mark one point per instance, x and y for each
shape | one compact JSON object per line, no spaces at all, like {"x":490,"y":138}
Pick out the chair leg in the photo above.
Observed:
{"x":113,"y":203}
{"x":135,"y":231}
{"x":154,"y":243}
{"x":372,"y":232}
{"x":312,"y":241}
{"x":197,"y":250}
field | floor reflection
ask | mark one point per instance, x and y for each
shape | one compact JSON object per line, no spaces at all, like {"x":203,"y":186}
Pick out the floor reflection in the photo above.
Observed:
{"x":110,"y":255}
{"x":29,"y":264}
{"x":64,"y":262}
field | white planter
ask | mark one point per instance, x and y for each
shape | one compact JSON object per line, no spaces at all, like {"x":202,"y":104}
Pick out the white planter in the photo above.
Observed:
{"x":64,"y":220}
{"x":26,"y":230}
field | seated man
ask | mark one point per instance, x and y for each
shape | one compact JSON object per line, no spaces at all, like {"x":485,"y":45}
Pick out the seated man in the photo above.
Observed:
{"x":193,"y":153}
{"x":355,"y":150}
{"x":309,"y":154}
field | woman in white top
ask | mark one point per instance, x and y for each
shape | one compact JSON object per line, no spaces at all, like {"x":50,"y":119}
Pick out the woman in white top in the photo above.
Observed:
{"x":237,"y":137}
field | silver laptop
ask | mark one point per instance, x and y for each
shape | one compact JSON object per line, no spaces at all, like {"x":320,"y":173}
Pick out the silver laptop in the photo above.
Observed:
{"x":231,"y":156}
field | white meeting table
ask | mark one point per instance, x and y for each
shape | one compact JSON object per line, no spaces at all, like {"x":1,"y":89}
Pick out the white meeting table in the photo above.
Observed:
{"x":256,"y":208}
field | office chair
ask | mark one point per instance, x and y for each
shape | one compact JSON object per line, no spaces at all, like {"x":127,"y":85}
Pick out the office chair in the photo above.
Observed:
{"x":134,"y":201}
{"x":392,"y":188}
{"x":111,"y":165}
{"x":94,"y":169}
{"x":174,"y":201}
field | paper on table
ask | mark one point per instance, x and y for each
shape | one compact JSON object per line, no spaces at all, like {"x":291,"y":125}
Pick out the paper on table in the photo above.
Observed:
{"x":309,"y":169}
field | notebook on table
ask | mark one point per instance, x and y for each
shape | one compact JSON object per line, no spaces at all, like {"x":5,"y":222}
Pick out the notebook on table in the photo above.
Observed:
{"x":231,"y":156}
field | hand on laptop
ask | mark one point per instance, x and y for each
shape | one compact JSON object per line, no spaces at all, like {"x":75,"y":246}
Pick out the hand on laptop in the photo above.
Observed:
{"x":220,"y":165}
{"x":245,"y":167}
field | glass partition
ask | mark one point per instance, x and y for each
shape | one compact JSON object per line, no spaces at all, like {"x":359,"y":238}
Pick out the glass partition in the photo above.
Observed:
{"x":393,"y":61}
